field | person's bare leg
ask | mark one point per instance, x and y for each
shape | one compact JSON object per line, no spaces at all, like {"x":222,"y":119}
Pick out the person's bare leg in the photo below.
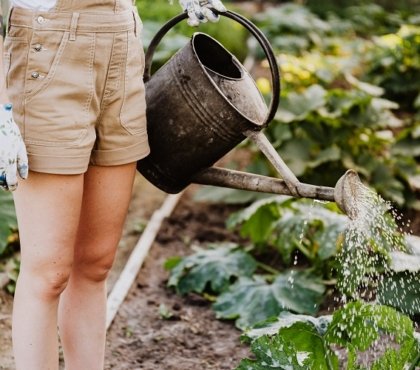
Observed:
{"x":82,"y":308}
{"x":48,"y":210}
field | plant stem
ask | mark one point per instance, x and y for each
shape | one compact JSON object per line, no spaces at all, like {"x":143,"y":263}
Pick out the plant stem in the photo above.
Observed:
{"x":327,"y":355}
{"x":268,"y":268}
{"x":299,"y":245}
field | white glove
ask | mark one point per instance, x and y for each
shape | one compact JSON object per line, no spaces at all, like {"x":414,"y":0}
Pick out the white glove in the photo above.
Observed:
{"x":200,"y":10}
{"x":13,"y":157}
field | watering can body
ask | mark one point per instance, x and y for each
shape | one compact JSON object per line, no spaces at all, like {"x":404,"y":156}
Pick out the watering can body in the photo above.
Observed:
{"x":199,"y":104}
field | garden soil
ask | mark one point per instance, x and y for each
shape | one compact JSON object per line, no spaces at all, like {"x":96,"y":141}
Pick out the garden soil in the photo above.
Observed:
{"x":142,"y":337}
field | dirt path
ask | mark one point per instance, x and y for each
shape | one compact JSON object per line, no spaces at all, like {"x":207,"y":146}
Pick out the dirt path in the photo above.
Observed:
{"x":145,"y":200}
{"x":140,"y":339}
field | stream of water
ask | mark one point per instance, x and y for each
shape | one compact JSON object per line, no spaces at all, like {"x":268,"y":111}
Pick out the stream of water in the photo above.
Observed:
{"x":367,"y":243}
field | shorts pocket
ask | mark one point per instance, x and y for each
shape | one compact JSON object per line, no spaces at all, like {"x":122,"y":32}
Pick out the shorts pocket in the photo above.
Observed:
{"x":44,"y":55}
{"x":58,"y":110}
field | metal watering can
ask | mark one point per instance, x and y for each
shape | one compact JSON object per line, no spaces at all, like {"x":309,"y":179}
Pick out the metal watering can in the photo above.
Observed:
{"x":201,"y":104}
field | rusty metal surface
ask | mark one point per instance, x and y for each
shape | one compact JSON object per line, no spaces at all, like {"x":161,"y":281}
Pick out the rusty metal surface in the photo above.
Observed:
{"x":191,"y":122}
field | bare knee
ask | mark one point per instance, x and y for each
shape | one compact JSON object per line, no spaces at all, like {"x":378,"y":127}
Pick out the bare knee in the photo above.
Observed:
{"x":94,"y":267}
{"x":48,"y":282}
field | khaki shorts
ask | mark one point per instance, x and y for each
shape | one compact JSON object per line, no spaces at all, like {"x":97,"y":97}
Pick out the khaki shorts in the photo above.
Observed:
{"x":75,"y":81}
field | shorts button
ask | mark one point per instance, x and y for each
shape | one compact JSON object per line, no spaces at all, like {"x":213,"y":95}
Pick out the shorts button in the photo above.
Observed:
{"x":37,"y":47}
{"x":34,"y":74}
{"x":40,"y":19}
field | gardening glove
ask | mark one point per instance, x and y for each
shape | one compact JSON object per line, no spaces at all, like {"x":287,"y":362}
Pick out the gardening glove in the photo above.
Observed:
{"x":13,"y":157}
{"x":200,"y":10}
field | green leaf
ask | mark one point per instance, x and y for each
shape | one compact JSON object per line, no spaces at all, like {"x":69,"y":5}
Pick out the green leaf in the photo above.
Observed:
{"x":401,"y":261}
{"x":402,"y":291}
{"x":7,"y":218}
{"x":258,"y":220}
{"x":251,"y":300}
{"x":285,"y":320}
{"x":171,"y":262}
{"x":214,"y":267}
{"x":366,"y":87}
{"x":358,"y":325}
{"x":275,"y":353}
{"x":330,"y":154}
{"x":310,"y":226}
{"x":304,"y":333}
{"x":307,"y":339}
{"x":399,"y":359}
{"x":297,"y":153}
{"x":296,"y":107}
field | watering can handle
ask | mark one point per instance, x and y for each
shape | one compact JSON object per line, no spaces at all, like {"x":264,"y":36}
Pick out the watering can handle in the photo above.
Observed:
{"x":265,"y":45}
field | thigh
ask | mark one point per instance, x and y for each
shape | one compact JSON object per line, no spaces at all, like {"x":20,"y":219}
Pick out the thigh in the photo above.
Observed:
{"x":48,"y":210}
{"x":106,"y":197}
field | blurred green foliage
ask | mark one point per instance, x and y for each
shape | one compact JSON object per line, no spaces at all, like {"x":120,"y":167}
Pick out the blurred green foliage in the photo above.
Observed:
{"x":350,"y":97}
{"x":232,"y":35}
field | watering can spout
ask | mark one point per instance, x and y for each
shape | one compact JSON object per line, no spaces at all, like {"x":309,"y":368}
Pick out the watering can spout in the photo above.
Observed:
{"x":347,"y":192}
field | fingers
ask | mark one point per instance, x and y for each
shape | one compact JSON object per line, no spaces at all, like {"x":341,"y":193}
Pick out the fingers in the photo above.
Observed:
{"x":216,"y":4}
{"x":22,"y":162}
{"x":212,"y":17}
{"x":8,"y":175}
{"x":11,"y":178}
{"x":3,"y":181}
{"x":200,"y":11}
{"x":193,"y":18}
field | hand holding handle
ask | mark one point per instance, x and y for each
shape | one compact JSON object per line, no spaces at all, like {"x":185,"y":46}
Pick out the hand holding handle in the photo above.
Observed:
{"x":202,"y":10}
{"x":13,"y":157}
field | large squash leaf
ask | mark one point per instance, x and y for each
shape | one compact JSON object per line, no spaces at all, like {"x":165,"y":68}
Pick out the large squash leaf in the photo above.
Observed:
{"x":285,"y":320}
{"x":275,"y":353}
{"x":312,"y":228}
{"x":214,"y":268}
{"x":402,"y":291}
{"x":251,"y":300}
{"x":304,"y":332}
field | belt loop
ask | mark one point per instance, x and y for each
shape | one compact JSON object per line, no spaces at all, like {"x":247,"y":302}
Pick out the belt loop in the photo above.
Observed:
{"x":73,"y":26}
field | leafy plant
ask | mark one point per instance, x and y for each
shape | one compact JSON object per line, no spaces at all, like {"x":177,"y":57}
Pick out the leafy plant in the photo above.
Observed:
{"x":400,"y":286}
{"x":212,"y":268}
{"x":292,"y":27}
{"x":275,"y":353}
{"x":321,"y":133}
{"x":288,"y":225}
{"x":395,"y":65}
{"x":313,"y":341}
{"x":251,"y":300}
{"x":401,"y":290}
{"x":228,"y":33}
